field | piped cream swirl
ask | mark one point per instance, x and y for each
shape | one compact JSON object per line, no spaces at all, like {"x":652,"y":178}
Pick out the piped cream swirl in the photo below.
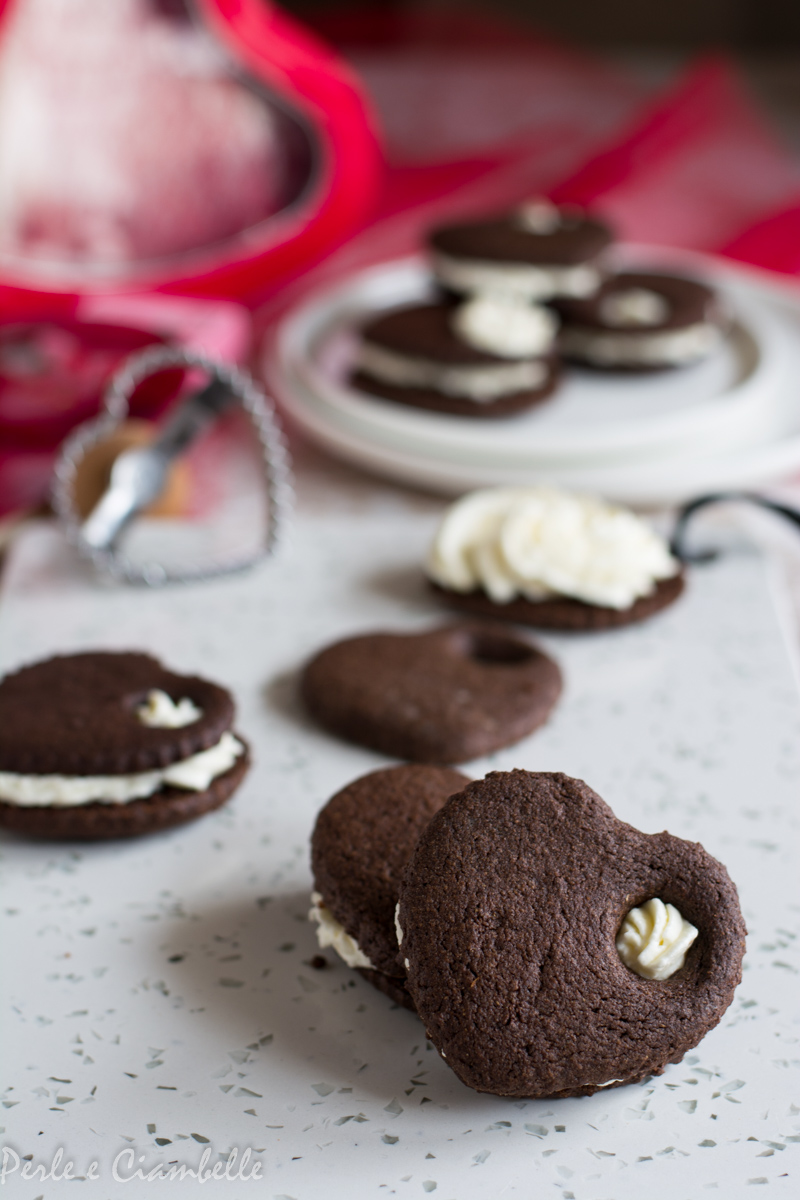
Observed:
{"x":538,"y":542}
{"x":653,"y":940}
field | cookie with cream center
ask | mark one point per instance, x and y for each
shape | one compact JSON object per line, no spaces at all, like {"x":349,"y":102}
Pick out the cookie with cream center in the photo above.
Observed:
{"x":515,"y":911}
{"x":643,"y":321}
{"x":112,"y":744}
{"x":486,"y":357}
{"x":536,"y":252}
{"x":550,"y":558}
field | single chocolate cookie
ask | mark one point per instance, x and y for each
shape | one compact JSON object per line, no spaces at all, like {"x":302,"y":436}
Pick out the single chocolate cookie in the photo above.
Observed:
{"x":537,"y":252}
{"x":641,"y":321}
{"x":107,"y":744}
{"x":563,"y":612}
{"x":469,"y":359}
{"x":361,"y":843}
{"x":448,"y":695}
{"x":510,"y":909}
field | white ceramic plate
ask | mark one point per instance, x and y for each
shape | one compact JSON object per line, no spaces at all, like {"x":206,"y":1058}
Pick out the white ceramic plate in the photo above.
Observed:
{"x":733,"y":420}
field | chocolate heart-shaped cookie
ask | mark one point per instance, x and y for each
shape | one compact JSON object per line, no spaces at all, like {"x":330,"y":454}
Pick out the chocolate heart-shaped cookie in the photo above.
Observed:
{"x":448,"y":695}
{"x":510,"y":910}
{"x":359,"y":849}
{"x":76,"y":715}
{"x":102,"y":745}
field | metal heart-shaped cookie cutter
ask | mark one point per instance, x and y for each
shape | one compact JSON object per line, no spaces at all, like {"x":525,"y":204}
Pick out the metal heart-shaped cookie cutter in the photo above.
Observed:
{"x":138,"y":475}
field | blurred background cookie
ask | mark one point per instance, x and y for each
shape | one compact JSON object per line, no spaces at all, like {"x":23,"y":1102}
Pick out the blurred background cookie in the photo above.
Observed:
{"x":641,"y":321}
{"x":487,"y":357}
{"x":536,"y":252}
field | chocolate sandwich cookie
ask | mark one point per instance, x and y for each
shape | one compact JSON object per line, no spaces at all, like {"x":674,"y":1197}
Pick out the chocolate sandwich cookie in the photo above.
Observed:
{"x":105,"y":745}
{"x":361,"y":843}
{"x":643,"y":322}
{"x":487,"y":357}
{"x":553,"y":950}
{"x":444,"y":696}
{"x":551,"y":559}
{"x":537,"y":252}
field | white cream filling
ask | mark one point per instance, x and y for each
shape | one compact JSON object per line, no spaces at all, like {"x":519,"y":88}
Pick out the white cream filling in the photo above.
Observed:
{"x":479,"y":383}
{"x":653,"y":940}
{"x":522,"y":280}
{"x":505,"y":326}
{"x":539,"y":216}
{"x":63,"y":791}
{"x":398,"y":930}
{"x":671,"y":347}
{"x":538,"y":542}
{"x":634,"y":307}
{"x":160,"y":711}
{"x":331,"y":933}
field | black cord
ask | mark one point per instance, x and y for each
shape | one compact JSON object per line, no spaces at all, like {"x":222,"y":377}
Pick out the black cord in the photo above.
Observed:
{"x":678,"y":540}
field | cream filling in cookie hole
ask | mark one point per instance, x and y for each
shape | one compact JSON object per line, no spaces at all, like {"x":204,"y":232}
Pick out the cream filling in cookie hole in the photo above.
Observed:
{"x":505,"y":326}
{"x":64,"y":791}
{"x":331,"y":933}
{"x":653,"y":940}
{"x":159,"y":711}
{"x":634,"y":307}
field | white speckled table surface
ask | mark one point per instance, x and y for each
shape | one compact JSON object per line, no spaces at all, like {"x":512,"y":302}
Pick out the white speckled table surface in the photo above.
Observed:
{"x":160,"y":994}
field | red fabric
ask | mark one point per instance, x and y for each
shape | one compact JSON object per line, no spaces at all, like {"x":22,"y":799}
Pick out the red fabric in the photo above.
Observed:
{"x":772,"y":243}
{"x":698,"y":166}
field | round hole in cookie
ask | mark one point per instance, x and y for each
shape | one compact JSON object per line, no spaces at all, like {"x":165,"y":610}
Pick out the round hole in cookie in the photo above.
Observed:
{"x":687,"y":952}
{"x":495,"y":649}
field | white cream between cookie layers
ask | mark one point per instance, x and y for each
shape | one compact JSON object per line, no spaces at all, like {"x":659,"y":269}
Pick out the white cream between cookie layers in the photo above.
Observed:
{"x":672,"y":347}
{"x":522,"y":280}
{"x":540,"y":542}
{"x":653,"y":940}
{"x":331,"y":933}
{"x":159,"y":711}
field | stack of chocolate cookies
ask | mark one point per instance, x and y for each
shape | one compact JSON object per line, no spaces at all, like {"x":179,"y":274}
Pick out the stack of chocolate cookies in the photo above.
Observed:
{"x":517,"y":294}
{"x":549,"y":948}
